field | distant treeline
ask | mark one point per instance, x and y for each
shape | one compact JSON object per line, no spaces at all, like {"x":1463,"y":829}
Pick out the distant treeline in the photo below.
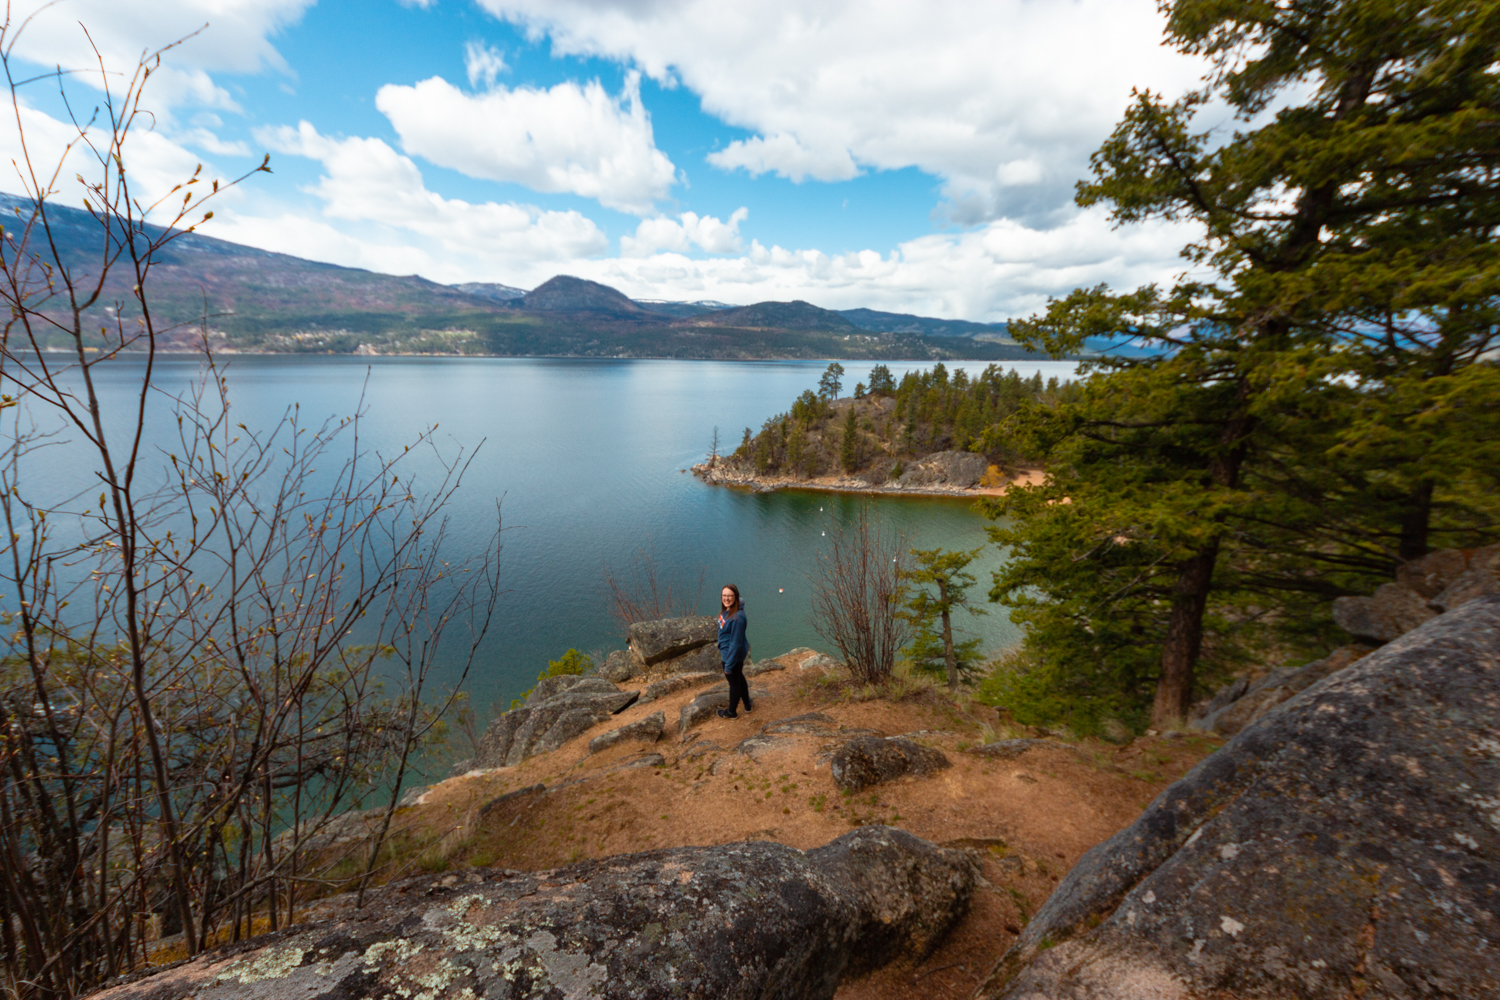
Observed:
{"x":886,"y":424}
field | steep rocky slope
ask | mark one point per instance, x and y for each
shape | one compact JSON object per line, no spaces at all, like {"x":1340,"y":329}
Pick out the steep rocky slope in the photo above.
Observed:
{"x":1346,"y":844}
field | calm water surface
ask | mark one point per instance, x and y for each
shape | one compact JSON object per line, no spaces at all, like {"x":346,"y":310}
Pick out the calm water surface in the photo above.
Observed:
{"x":587,"y":457}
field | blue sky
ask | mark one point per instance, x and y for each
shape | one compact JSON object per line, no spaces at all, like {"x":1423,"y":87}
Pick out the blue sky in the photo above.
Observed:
{"x":897,"y":155}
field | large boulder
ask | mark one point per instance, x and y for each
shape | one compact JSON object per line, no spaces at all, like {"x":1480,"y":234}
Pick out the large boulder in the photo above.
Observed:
{"x":1480,"y":578}
{"x":621,"y":665}
{"x":1394,"y":610}
{"x":945,"y":468}
{"x":1242,"y":701}
{"x":550,"y":687}
{"x":662,"y":640}
{"x":746,"y":920}
{"x":873,"y":760}
{"x":704,"y":659}
{"x":558,"y":709}
{"x":1345,"y":845}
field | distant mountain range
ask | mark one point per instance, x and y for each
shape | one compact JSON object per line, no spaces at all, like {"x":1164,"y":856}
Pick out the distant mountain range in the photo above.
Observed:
{"x":257,"y":301}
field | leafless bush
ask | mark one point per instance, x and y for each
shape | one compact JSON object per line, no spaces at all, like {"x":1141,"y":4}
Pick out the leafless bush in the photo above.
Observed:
{"x":641,"y":594}
{"x":193,"y":671}
{"x":857,"y":592}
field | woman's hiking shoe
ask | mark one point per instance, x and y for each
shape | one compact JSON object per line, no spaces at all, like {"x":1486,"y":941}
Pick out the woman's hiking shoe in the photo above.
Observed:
{"x":724,"y":713}
{"x":749,"y":708}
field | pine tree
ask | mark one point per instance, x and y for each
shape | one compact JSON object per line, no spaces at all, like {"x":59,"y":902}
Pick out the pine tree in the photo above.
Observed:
{"x":1349,"y":244}
{"x":932,"y":613}
{"x":849,"y":450}
{"x":832,"y":381}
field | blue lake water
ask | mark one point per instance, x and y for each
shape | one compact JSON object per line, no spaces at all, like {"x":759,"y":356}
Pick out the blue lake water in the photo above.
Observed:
{"x":587,"y":457}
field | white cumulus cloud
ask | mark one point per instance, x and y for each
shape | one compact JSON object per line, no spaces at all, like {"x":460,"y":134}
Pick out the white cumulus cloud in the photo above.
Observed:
{"x":995,"y":271}
{"x":54,"y":156}
{"x":483,"y":63}
{"x":1003,"y":100}
{"x":365,"y":180}
{"x":688,"y":230}
{"x":233,"y":36}
{"x":569,"y":138}
{"x":784,"y":154}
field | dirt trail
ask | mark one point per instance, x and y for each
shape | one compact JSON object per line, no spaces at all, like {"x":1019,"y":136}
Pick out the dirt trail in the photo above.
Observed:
{"x":1029,"y":818}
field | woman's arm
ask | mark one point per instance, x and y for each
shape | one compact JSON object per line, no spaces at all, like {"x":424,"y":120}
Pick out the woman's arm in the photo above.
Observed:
{"x":739,"y":645}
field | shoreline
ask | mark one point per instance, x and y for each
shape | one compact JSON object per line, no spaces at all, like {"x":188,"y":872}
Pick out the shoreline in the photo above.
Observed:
{"x":718,"y":476}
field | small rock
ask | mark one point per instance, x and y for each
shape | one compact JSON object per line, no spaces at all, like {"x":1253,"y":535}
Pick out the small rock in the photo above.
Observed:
{"x":1011,"y":749}
{"x":699,"y":749}
{"x":870,"y":760}
{"x":675,"y":683}
{"x":647,"y":730}
{"x":544,"y":725}
{"x":707,"y":704}
{"x":763,"y":667}
{"x":822,"y":662}
{"x":550,"y":687}
{"x":757,"y":747}
{"x":646,"y":760}
{"x":811,"y":724}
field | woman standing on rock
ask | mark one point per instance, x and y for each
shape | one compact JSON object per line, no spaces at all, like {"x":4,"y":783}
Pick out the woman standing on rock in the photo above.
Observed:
{"x":733,"y":648}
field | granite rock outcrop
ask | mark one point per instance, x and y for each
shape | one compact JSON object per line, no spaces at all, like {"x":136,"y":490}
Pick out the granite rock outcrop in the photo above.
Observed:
{"x":558,"y":709}
{"x":1347,"y":844}
{"x":742,"y":920}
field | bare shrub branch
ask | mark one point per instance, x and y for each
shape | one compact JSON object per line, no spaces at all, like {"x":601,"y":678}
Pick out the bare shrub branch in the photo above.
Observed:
{"x":197,"y":646}
{"x":641,"y":594}
{"x":857,"y":594}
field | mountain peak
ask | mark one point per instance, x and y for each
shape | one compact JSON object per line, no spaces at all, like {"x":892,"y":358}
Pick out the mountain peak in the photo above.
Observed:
{"x":566,"y":293}
{"x":796,"y":315}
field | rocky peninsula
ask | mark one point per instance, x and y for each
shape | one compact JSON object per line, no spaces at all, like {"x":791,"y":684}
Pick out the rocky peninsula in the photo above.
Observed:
{"x":930,"y":434}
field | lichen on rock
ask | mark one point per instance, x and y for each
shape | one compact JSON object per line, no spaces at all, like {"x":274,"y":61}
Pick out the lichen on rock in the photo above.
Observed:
{"x":1347,"y":844}
{"x":744,"y":920}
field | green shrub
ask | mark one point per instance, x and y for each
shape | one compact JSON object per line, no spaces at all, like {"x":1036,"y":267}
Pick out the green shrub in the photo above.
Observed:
{"x":571,"y":662}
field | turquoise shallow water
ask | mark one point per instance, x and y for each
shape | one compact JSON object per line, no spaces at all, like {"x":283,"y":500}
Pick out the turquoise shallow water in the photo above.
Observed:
{"x":587,"y":457}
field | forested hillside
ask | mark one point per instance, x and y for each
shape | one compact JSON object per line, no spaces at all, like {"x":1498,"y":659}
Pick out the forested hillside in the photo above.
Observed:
{"x":883,"y":426}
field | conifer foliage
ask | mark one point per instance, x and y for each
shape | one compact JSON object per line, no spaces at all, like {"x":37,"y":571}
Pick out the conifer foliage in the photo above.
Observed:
{"x":1320,"y":403}
{"x":873,"y":436}
{"x":931,"y":611}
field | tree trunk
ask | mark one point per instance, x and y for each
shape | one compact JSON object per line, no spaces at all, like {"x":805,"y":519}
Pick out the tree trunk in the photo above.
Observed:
{"x":949,"y":659}
{"x":1416,"y":523}
{"x":1179,"y":654}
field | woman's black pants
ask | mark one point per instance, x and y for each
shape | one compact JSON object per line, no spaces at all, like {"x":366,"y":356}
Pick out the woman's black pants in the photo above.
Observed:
{"x":739,"y":688}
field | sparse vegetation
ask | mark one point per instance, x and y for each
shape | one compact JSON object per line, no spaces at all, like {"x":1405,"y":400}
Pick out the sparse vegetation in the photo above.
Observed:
{"x":213,"y":656}
{"x":857,"y":591}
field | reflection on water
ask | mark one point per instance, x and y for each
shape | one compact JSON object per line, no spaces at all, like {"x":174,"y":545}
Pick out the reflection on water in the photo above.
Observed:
{"x":588,"y":457}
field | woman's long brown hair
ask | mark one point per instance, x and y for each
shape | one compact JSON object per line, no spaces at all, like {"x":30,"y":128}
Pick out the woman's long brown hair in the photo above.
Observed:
{"x":738,"y":604}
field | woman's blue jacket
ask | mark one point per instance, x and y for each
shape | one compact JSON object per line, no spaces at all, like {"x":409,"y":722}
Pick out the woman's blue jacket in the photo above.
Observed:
{"x":733,"y":646}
